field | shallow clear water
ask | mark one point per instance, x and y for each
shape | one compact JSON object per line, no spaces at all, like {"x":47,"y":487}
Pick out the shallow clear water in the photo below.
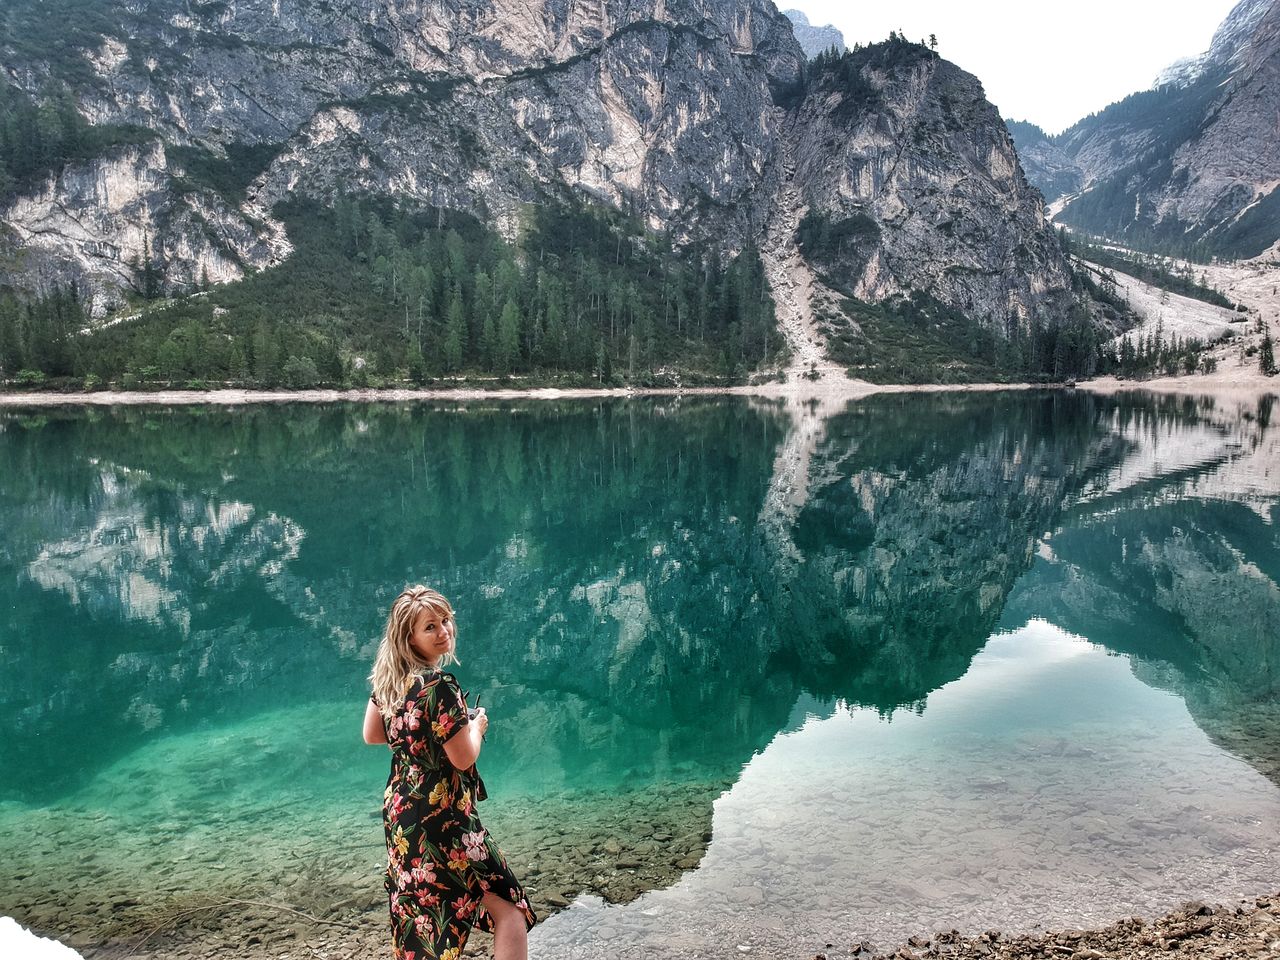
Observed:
{"x":1048,"y":787}
{"x":758,"y":675}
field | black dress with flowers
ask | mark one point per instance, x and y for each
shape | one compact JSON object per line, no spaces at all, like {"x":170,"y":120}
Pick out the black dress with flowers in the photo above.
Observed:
{"x":440,"y":859}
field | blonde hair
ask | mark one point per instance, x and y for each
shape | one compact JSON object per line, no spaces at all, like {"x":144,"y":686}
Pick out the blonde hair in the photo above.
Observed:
{"x":396,"y":664}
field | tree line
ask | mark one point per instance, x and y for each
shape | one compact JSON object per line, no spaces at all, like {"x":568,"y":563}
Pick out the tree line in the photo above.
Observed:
{"x":1151,"y":355}
{"x":1152,"y":269}
{"x":39,"y":135}
{"x":377,"y":292}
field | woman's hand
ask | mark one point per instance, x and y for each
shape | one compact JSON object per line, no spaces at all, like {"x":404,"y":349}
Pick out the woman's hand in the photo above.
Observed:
{"x":463,"y":748}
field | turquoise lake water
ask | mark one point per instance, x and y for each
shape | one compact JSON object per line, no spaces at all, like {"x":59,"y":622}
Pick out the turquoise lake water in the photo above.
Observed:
{"x":759,"y":676}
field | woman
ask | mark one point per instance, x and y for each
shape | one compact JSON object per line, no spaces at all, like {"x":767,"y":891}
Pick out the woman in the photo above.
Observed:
{"x":444,"y":872}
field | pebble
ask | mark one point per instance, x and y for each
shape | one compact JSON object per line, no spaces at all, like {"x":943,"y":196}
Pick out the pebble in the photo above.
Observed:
{"x":1194,"y":931}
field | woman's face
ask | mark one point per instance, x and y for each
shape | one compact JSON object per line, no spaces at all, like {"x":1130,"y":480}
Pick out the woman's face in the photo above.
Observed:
{"x":432,"y":635}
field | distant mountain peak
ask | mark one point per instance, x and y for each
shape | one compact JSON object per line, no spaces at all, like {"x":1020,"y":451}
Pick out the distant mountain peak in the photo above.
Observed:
{"x":813,"y":40}
{"x":1229,"y":40}
{"x":1190,"y":167}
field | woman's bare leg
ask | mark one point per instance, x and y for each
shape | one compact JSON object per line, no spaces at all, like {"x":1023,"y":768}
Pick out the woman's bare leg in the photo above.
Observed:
{"x":510,"y":935}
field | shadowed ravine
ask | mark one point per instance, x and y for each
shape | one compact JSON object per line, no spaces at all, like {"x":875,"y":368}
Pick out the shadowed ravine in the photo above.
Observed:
{"x":674,"y":610}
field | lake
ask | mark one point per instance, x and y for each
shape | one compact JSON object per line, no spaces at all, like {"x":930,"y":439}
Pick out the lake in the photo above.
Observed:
{"x":761,"y":677}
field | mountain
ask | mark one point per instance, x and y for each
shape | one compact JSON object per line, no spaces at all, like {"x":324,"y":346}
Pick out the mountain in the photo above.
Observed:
{"x":471,"y":107}
{"x":1046,"y":164}
{"x":1231,"y":37}
{"x":814,"y":40}
{"x":1190,"y":167}
{"x":175,"y":146}
{"x":916,"y":181}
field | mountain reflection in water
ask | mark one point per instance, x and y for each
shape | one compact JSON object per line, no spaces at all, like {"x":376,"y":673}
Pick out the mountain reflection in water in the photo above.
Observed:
{"x":651,"y":593}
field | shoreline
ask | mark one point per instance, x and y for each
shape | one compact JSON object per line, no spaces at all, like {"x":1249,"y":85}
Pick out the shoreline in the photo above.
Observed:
{"x":826,"y":389}
{"x":1248,"y":928}
{"x":1239,"y":387}
{"x":814,"y":389}
{"x":263,"y":930}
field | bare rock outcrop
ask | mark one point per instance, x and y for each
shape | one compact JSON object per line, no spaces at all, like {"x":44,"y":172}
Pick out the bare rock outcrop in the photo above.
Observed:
{"x":673,"y":110}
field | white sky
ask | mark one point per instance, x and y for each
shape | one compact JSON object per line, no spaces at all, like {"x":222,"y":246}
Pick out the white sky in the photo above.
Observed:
{"x":1048,"y":63}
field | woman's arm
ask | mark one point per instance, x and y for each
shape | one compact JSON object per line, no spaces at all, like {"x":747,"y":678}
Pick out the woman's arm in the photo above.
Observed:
{"x":463,"y":747}
{"x":374,"y":731}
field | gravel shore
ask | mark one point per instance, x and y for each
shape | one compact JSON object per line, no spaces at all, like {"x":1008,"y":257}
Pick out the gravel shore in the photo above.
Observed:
{"x":802,"y":389}
{"x":1238,"y":379}
{"x":1203,"y":931}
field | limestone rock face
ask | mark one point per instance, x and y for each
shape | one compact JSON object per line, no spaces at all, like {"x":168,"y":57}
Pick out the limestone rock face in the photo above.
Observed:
{"x":911,"y":143}
{"x":93,"y":221}
{"x":1235,"y":162}
{"x":1231,"y":37}
{"x":661,"y":107}
{"x":814,"y":40}
{"x":1047,"y":165}
{"x":672,"y":109}
{"x":1196,"y":161}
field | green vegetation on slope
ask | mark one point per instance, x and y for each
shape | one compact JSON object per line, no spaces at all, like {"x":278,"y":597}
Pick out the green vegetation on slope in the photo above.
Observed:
{"x":56,"y":33}
{"x":916,"y":339}
{"x":842,"y":72}
{"x":1148,"y":269}
{"x":1144,"y":356}
{"x":1254,"y":231}
{"x":838,"y":247}
{"x":40,"y":136}
{"x":1119,"y":206}
{"x":229,"y":176}
{"x":377,"y":293}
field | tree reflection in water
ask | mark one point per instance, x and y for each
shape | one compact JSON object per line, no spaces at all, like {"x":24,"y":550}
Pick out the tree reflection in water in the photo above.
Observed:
{"x":646,"y":588}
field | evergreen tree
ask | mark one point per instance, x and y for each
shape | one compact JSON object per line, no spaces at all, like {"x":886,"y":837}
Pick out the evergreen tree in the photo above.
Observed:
{"x":239,"y":363}
{"x":417,"y":364}
{"x":482,"y":305}
{"x":455,"y":335}
{"x":150,"y":276}
{"x":169,"y":360}
{"x":266,"y":355}
{"x":489,"y":342}
{"x":583,"y":287}
{"x":552,"y":349}
{"x":508,"y":345}
{"x":329,"y":362}
{"x":1267,"y":357}
{"x":300,"y":373}
{"x":604,"y":364}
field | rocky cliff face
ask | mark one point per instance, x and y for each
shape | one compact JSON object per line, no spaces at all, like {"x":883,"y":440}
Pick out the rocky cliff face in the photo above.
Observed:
{"x":1047,"y":165}
{"x":903,"y":147}
{"x":814,"y":40}
{"x":1231,"y":37}
{"x":1232,"y":169}
{"x":94,"y":220}
{"x":1192,"y":166}
{"x":670,"y":110}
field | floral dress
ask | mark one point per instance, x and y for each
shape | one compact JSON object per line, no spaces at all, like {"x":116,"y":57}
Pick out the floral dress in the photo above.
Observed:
{"x":440,"y":859}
